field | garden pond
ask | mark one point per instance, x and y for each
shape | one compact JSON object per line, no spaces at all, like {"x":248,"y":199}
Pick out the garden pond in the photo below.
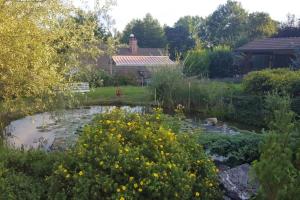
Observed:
{"x":58,"y":131}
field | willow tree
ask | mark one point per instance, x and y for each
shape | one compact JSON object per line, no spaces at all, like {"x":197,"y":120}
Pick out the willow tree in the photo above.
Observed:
{"x":41,"y":42}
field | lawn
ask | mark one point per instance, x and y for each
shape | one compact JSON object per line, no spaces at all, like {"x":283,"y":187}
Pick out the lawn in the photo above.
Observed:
{"x":130,"y":95}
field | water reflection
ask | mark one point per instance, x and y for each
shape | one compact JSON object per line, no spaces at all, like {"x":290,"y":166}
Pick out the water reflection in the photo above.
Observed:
{"x":55,"y":132}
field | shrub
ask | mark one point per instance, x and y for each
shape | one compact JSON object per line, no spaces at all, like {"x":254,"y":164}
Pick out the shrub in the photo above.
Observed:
{"x":240,"y":149}
{"x":221,"y":63}
{"x":248,"y":109}
{"x":95,"y":77}
{"x":262,"y":82}
{"x":130,"y":156}
{"x":126,"y":79}
{"x":277,"y":170}
{"x":215,"y":63}
{"x":23,"y":173}
{"x":197,"y":63}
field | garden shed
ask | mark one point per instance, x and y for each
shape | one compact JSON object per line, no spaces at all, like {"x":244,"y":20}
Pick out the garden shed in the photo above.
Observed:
{"x":268,"y":53}
{"x":134,"y":61}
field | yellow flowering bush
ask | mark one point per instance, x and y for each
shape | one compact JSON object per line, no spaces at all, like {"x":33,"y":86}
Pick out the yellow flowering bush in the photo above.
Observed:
{"x":134,"y":156}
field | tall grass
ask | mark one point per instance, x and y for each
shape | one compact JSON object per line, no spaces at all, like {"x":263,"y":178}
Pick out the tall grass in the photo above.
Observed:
{"x":202,"y":95}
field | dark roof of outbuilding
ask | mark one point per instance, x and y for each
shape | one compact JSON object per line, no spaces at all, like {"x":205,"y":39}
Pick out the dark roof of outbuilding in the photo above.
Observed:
{"x":271,"y":44}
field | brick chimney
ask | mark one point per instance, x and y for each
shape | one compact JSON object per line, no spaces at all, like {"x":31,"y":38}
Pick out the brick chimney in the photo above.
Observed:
{"x":133,"y":44}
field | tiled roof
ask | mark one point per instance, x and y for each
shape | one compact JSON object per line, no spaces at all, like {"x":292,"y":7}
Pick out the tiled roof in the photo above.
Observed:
{"x":270,"y":44}
{"x":142,"y":52}
{"x":142,"y":60}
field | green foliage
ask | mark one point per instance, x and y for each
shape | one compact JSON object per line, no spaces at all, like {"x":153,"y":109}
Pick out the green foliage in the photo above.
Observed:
{"x":23,"y":174}
{"x":226,"y":25}
{"x":197,"y":63}
{"x":269,"y":80}
{"x":261,"y":25}
{"x":95,"y":77}
{"x":179,"y":41}
{"x":128,"y":79}
{"x":248,"y":109}
{"x":204,"y":96}
{"x":232,"y":25}
{"x":215,"y":63}
{"x":119,"y":156}
{"x":133,"y":156}
{"x":221,"y":63}
{"x":239,"y":149}
{"x":277,"y":170}
{"x":148,"y":32}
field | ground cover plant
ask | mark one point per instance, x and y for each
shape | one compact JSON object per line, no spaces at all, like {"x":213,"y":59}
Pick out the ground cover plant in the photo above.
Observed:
{"x":239,"y":149}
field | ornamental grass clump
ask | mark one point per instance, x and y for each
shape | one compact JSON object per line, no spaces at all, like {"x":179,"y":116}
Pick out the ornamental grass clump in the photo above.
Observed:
{"x":133,"y":156}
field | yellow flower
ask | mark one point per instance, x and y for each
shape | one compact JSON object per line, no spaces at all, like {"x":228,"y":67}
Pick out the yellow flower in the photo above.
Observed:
{"x":68,"y":176}
{"x":147,"y":123}
{"x":122,"y":198}
{"x":123,"y":187}
{"x":155,"y":175}
{"x":129,"y":123}
{"x":117,"y":166}
{"x":210,"y":185}
{"x":131,"y":178}
{"x":197,"y":194}
{"x":101,"y":163}
{"x":135,"y":185}
{"x":140,"y":190}
{"x":142,"y":183}
{"x":118,"y":190}
{"x":81,"y":173}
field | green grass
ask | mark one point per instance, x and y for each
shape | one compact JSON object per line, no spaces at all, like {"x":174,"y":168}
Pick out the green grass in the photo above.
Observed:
{"x":130,"y":95}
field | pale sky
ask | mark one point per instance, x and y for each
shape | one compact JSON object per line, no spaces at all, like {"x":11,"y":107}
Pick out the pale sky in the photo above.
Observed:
{"x":169,"y":11}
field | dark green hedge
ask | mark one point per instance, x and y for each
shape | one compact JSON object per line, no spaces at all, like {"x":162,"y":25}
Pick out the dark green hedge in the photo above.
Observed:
{"x":269,"y":80}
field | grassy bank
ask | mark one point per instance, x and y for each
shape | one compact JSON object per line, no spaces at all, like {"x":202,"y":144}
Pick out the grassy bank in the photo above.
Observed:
{"x":130,"y":95}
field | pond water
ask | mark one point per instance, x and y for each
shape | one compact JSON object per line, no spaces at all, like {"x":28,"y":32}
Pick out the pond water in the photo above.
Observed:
{"x":57,"y":132}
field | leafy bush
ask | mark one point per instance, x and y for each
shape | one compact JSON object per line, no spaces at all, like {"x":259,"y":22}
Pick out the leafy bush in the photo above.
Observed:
{"x":23,"y":174}
{"x":278,"y":170}
{"x":126,"y":79}
{"x":197,"y":63}
{"x":130,"y":156}
{"x":240,"y":149}
{"x":221,"y":63}
{"x":281,"y":80}
{"x":215,"y":63}
{"x":248,"y":109}
{"x":95,"y":77}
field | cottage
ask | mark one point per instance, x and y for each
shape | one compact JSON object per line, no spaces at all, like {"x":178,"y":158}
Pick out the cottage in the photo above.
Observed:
{"x":135,"y":61}
{"x":269,"y":52}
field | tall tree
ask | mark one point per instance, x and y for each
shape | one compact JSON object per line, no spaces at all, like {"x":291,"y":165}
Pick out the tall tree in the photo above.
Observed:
{"x":290,"y":28}
{"x":148,"y":31}
{"x":191,"y":23}
{"x":40,"y":42}
{"x":179,"y":41}
{"x":261,"y":25}
{"x":226,"y":25}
